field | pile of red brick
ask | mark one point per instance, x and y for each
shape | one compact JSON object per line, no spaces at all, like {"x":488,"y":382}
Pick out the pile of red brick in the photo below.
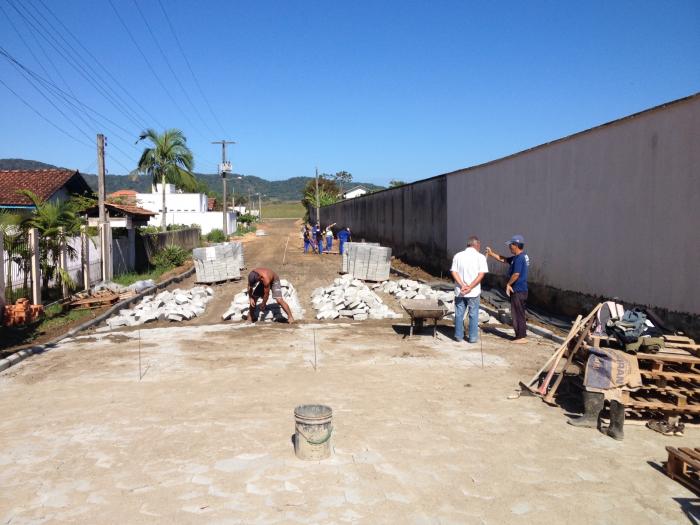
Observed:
{"x":22,"y":312}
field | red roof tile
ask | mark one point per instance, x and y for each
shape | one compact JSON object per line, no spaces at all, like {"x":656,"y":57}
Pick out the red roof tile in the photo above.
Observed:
{"x":42,"y":182}
{"x":130,"y":209}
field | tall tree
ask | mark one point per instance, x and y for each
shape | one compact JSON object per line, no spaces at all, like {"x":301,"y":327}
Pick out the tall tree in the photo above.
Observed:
{"x":167,"y":161}
{"x":328,"y":193}
{"x":395,"y":183}
{"x":342,"y":178}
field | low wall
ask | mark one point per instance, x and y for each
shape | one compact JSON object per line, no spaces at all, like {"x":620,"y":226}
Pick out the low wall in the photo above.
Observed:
{"x":207,"y":221}
{"x":154,"y":242}
{"x":411,"y":220}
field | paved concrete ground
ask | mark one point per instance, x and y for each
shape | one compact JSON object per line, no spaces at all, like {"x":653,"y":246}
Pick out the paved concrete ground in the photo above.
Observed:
{"x":423,"y":433}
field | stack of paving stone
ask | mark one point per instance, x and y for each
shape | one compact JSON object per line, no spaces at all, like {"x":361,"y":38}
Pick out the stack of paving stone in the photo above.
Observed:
{"x":238,"y":310}
{"x":220,"y":262}
{"x":351,"y":298}
{"x":410,"y":289}
{"x":366,"y":261}
{"x":178,"y":305}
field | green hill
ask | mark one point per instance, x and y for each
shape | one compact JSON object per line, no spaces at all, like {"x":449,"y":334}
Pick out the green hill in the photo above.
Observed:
{"x":285,"y":190}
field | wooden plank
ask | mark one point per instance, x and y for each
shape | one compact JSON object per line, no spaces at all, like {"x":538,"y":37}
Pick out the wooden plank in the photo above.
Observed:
{"x":678,"y":339}
{"x":663,"y":407}
{"x":669,"y":358}
{"x":671,"y":375}
{"x":693,"y":453}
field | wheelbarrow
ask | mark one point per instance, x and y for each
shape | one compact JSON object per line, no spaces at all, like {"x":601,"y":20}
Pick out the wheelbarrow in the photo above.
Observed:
{"x":421,"y":309}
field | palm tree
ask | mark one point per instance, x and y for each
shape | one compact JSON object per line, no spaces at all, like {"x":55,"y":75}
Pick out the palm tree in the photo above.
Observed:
{"x":56,"y":222}
{"x":168,"y":161}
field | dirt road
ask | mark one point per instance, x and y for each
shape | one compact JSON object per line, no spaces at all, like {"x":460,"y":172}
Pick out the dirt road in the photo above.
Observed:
{"x":191,"y":423}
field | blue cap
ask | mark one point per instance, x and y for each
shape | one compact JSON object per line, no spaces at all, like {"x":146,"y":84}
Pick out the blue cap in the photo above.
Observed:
{"x":516,"y":238}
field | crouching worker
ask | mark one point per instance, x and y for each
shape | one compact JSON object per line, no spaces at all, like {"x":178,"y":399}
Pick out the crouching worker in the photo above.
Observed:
{"x":260,"y":282}
{"x":608,"y":373}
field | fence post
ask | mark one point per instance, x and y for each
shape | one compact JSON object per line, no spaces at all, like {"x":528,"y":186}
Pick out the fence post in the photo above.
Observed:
{"x":2,"y":278}
{"x":63,"y":261}
{"x":36,"y":268}
{"x":85,"y":256}
{"x":106,"y":252}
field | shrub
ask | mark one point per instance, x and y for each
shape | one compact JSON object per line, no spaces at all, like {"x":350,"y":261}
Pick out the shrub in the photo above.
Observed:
{"x":216,"y":235}
{"x":170,"y":257}
{"x":246,"y":218}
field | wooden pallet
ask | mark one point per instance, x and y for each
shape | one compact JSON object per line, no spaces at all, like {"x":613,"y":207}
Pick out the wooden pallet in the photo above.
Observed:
{"x":683,"y":465}
{"x":95,"y":301}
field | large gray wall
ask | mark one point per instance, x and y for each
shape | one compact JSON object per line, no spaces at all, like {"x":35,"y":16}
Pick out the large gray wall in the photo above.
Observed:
{"x":613,"y":211}
{"x":410,"y":219}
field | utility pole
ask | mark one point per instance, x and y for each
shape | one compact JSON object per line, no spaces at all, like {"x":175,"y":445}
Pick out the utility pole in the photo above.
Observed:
{"x":318,"y":202}
{"x":259,"y":207}
{"x":224,"y":168}
{"x":104,"y":226}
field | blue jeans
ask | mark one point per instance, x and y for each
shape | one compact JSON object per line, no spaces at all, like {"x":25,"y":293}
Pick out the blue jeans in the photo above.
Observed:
{"x":329,"y":243}
{"x":342,"y":246}
{"x":461,"y":306}
{"x":307,"y":245}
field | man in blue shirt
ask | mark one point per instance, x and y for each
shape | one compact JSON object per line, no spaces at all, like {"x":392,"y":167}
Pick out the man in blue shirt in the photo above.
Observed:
{"x":343,"y":237}
{"x":516,"y":288}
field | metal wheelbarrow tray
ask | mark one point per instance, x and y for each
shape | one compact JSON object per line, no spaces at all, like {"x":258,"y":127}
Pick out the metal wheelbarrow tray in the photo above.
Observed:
{"x":421,"y":309}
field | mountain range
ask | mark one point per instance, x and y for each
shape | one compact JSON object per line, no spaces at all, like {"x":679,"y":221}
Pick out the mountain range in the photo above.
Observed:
{"x":286,"y":190}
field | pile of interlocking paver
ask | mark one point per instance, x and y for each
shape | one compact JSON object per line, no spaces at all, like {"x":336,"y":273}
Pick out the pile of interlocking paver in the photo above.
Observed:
{"x":366,"y":261}
{"x":178,"y":305}
{"x":218,"y":263}
{"x":238,"y":310}
{"x":350,"y":298}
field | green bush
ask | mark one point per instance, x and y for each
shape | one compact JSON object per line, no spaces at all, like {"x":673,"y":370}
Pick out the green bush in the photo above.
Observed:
{"x":170,"y":257}
{"x":246,"y":218}
{"x":216,"y":235}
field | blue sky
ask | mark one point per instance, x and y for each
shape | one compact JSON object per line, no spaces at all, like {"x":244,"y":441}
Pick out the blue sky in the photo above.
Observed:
{"x":385,"y":90}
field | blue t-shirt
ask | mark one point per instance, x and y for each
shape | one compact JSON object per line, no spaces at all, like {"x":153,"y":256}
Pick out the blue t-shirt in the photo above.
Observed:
{"x":519,"y":264}
{"x":343,"y":235}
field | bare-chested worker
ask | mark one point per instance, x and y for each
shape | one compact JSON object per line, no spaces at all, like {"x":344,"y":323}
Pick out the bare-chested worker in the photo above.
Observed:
{"x":260,"y":281}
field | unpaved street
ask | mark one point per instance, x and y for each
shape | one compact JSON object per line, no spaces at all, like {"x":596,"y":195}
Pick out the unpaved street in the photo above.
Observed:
{"x":200,"y":432}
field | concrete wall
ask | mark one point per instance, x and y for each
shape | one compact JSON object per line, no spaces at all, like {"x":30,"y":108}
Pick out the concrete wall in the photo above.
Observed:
{"x":612,"y":211}
{"x":410,"y":219}
{"x":207,"y":221}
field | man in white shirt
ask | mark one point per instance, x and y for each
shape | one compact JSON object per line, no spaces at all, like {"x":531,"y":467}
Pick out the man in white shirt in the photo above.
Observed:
{"x":468,"y":269}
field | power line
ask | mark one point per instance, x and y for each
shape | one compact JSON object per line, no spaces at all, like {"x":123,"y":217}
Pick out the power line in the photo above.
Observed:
{"x":59,"y":128}
{"x":148,"y":63}
{"x":63,"y":52}
{"x":194,"y":77}
{"x":26,"y":44}
{"x":170,"y":67}
{"x":99,"y":63}
{"x":73,"y":57}
{"x":27,"y":74}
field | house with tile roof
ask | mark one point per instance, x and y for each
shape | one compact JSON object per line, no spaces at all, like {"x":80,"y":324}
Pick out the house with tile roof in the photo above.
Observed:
{"x":48,"y":184}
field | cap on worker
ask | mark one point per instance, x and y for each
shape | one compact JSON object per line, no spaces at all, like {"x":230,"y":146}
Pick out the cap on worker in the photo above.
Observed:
{"x":516,"y":239}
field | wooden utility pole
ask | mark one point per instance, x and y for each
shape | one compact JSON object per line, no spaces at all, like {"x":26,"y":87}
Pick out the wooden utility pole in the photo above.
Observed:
{"x":104,"y":226}
{"x":318,"y":202}
{"x":224,"y":168}
{"x":259,"y":207}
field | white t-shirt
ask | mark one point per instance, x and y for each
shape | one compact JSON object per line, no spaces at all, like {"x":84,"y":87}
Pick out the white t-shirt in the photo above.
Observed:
{"x":469,"y":264}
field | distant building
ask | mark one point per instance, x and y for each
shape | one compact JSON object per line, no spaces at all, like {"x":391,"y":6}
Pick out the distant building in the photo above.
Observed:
{"x":52,"y":185}
{"x":357,"y":191}
{"x":184,"y":208}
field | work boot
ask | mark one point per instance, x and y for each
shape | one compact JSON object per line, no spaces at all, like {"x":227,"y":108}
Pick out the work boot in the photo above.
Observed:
{"x":617,"y":420}
{"x":592,"y":406}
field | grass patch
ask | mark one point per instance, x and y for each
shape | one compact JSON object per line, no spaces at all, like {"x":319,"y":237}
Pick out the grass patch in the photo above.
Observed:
{"x":54,"y":318}
{"x":282,"y":210}
{"x":126,"y":279}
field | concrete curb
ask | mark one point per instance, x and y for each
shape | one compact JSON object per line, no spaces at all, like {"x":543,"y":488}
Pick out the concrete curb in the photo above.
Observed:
{"x":543,"y":332}
{"x":21,"y":355}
